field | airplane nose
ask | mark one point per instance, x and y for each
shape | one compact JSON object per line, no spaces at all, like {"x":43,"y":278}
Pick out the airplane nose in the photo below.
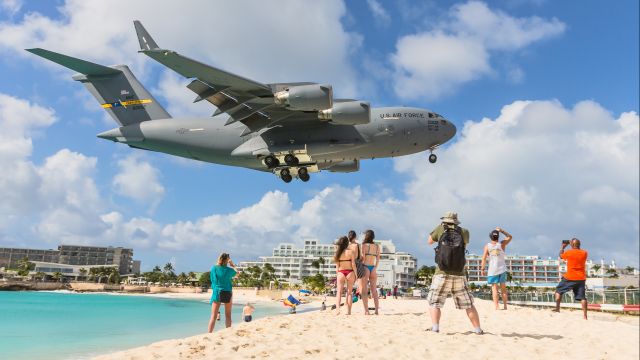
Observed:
{"x":451,"y":130}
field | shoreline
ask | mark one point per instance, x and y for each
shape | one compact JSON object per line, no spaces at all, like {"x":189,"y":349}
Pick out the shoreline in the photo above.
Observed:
{"x":401,"y":332}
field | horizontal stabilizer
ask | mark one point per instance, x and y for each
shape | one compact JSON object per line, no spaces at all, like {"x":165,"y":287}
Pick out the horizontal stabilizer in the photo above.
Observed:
{"x":145,"y":40}
{"x":81,"y":66}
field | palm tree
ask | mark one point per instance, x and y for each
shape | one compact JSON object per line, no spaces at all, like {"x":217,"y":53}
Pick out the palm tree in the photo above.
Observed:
{"x":612,"y":272}
{"x":192,"y":277}
{"x":629,"y":269}
{"x":316,"y":264}
{"x":24,"y":266}
{"x":156,"y":269}
{"x":40,"y":275}
{"x":182,"y":278}
{"x":596,"y":268}
{"x":83,"y":272}
{"x":113,"y":275}
{"x":57,"y":276}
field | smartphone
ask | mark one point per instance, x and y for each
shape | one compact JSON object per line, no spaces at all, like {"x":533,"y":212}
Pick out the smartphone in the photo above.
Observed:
{"x":566,"y":241}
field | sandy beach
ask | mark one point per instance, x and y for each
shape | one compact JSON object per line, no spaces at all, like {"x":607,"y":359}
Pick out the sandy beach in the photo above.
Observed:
{"x":400,"y":332}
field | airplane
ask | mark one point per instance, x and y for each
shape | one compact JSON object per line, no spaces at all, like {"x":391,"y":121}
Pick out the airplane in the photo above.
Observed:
{"x":289,"y":129}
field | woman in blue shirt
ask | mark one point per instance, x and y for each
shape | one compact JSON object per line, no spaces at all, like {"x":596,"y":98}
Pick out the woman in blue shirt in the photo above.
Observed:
{"x":221,"y":276}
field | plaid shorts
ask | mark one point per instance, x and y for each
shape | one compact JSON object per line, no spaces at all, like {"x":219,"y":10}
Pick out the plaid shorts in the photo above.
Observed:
{"x":443,"y":285}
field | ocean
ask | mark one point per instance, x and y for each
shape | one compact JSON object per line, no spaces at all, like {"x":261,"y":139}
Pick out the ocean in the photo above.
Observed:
{"x":66,"y":325}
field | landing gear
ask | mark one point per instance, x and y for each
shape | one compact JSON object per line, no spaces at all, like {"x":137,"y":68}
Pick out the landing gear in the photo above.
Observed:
{"x":291,"y":160}
{"x":285,"y":175}
{"x":303,"y":174}
{"x":271,"y":161}
{"x":433,"y":158}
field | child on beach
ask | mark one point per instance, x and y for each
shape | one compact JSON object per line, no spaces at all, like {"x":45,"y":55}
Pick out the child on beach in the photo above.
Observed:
{"x":497,"y":274}
{"x":247,"y":311}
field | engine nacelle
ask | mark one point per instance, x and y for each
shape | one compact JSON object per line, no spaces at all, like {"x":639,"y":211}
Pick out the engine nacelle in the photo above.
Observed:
{"x":306,"y":97}
{"x":345,"y":166}
{"x":348,"y":113}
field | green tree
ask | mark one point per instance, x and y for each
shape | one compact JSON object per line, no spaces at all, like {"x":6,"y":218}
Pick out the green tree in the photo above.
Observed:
{"x":629,"y":269}
{"x":82,"y":272}
{"x":113,"y":275}
{"x":205,"y":279}
{"x":192,"y":277}
{"x":613,"y":273}
{"x":24,"y":266}
{"x":425,"y":274}
{"x":596,"y":268}
{"x":268,"y":274}
{"x":182,"y":278}
{"x":156,"y":269}
{"x":316,"y":265}
{"x":57,"y":276}
{"x":316,"y":283}
{"x":40,"y":275}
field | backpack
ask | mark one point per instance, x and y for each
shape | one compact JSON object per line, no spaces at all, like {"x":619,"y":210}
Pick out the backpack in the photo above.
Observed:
{"x":450,"y":252}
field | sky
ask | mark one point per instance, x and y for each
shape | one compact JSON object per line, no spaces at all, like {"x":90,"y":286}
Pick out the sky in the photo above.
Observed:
{"x":544,"y":95}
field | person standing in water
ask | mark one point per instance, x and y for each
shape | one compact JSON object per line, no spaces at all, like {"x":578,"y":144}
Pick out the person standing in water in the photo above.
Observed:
{"x":497,"y":273}
{"x":221,"y":276}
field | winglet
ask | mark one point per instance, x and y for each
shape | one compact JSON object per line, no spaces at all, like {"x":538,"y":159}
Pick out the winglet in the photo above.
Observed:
{"x":145,"y":40}
{"x":79,"y":65}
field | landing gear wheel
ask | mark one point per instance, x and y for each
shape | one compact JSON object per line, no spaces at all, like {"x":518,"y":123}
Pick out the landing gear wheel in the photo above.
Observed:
{"x":304,"y":177}
{"x":271,"y":161}
{"x":286,"y":178}
{"x":303,"y":171}
{"x":291,"y":160}
{"x":285,"y":172}
{"x":433,"y":158}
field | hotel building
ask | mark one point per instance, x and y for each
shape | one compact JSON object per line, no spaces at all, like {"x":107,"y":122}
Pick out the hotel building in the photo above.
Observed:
{"x":292,"y":264}
{"x":71,"y":258}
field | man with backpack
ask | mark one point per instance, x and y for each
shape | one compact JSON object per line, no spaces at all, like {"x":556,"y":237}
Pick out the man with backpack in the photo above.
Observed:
{"x":449,"y":277}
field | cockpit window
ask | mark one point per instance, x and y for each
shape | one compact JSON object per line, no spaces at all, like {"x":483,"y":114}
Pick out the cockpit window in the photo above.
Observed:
{"x":432,"y":115}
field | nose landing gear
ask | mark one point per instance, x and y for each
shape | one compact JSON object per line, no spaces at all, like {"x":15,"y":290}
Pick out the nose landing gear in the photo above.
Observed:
{"x":433,"y":158}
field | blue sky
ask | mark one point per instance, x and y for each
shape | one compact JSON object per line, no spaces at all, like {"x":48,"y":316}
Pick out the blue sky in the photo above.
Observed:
{"x":544,"y":95}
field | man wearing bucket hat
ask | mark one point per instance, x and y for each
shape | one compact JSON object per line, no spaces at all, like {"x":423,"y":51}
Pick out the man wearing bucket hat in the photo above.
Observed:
{"x":449,"y":277}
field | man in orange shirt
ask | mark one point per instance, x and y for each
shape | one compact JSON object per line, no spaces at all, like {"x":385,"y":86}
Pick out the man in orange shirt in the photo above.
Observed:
{"x":575,"y":277}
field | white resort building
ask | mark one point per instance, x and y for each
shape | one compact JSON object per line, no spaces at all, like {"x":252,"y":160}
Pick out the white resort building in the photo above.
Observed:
{"x":292,"y":264}
{"x":531,"y":270}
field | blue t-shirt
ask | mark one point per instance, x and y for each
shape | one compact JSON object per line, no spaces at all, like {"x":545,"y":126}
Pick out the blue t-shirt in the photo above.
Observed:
{"x":221,"y":277}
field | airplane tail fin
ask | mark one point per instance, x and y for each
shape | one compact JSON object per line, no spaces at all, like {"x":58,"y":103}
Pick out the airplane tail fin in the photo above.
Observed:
{"x":115,"y":87}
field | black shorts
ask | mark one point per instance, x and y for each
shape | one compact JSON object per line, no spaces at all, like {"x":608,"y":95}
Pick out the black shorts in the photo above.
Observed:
{"x":224,"y":296}
{"x":578,"y":287}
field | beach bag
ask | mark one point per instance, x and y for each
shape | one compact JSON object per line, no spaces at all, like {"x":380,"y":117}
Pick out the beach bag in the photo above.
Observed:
{"x":361,"y":270}
{"x":450,"y":252}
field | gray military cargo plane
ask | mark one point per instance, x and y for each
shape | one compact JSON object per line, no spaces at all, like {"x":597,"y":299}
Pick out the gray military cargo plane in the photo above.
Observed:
{"x":290,"y":129}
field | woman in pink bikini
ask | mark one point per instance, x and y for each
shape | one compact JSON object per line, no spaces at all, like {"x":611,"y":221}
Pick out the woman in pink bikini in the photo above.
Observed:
{"x":345,"y":260}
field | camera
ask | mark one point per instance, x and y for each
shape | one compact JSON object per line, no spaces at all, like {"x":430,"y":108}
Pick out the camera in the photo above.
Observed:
{"x":566,"y":241}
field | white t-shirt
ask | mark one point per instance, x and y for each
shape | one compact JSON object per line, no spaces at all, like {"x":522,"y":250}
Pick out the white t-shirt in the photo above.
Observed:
{"x":497,"y":265}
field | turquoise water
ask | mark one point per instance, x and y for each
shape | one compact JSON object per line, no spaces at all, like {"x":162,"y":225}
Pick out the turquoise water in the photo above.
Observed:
{"x":59,"y":325}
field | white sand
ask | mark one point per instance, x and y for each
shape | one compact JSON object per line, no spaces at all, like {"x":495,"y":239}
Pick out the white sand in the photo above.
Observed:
{"x":400,"y":333}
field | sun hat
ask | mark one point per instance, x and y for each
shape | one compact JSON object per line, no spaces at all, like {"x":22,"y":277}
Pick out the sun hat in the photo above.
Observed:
{"x":450,"y":217}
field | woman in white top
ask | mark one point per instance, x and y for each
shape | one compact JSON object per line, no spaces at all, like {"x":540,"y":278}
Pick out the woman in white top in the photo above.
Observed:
{"x":497,"y":273}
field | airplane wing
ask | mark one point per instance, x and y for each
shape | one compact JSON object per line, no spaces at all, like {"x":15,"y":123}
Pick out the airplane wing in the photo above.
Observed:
{"x":244,"y":100}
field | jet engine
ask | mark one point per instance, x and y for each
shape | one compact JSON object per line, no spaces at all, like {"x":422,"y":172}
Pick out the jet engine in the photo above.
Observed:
{"x":306,"y":97}
{"x":345,"y":166}
{"x":347,"y":113}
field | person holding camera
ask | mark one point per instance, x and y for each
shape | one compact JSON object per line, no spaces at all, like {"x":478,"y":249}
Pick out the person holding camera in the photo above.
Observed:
{"x":221,"y":276}
{"x":575,"y":277}
{"x":450,"y":278}
{"x":497,"y":273}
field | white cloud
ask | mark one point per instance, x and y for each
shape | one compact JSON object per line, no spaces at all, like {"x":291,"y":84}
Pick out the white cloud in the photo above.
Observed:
{"x":139,"y":180}
{"x":288,"y":42}
{"x":437,"y":62}
{"x":542,"y":171}
{"x":379,"y":12}
{"x":11,"y":7}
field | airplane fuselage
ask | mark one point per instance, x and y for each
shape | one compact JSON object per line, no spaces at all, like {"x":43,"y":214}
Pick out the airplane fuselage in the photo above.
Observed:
{"x":393,"y":131}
